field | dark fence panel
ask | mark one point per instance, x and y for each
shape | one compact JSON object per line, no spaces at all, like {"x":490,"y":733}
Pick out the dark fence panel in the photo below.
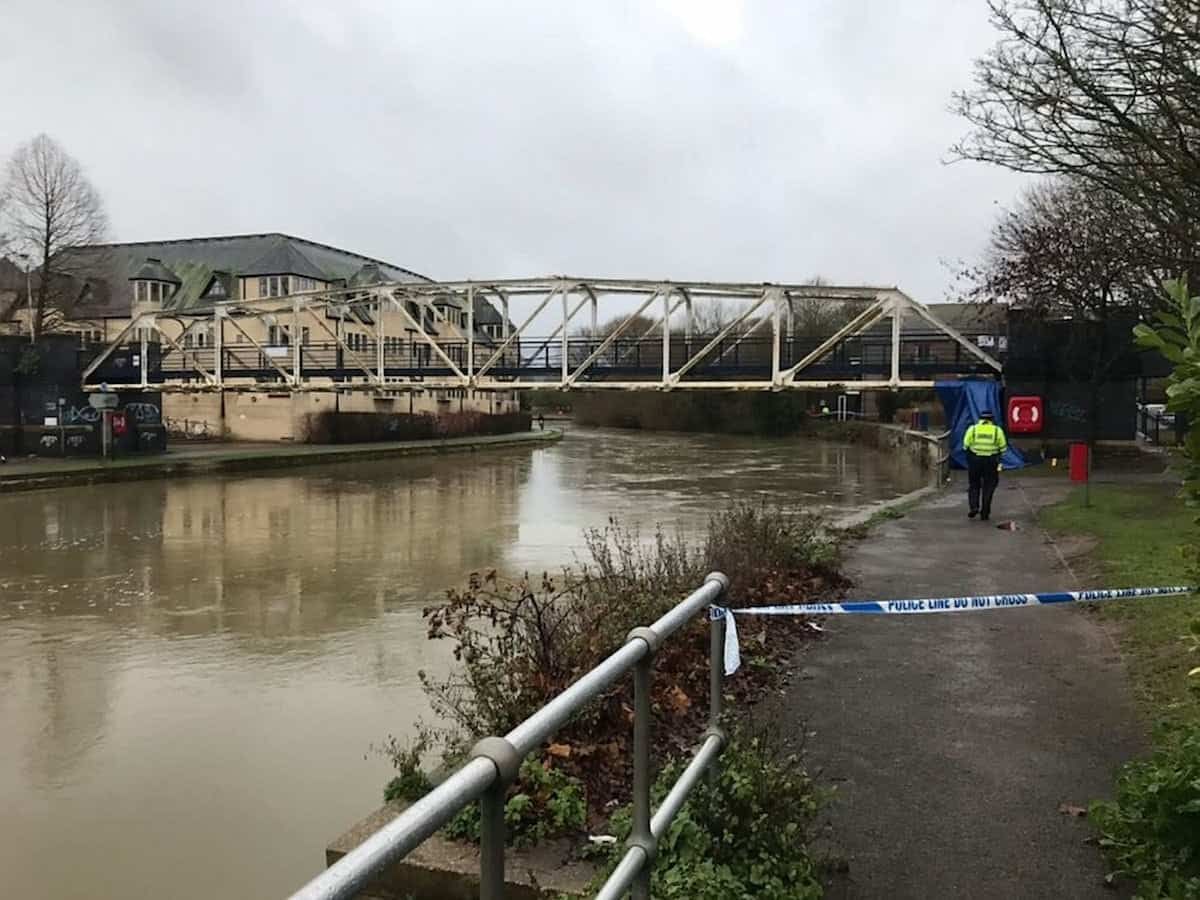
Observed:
{"x":44,"y":410}
{"x":1068,"y":405}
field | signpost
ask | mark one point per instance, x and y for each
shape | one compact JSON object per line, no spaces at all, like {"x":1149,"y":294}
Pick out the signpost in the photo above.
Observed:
{"x":106,"y":403}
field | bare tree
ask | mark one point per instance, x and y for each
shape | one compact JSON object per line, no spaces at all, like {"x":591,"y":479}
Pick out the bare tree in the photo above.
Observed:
{"x":709,"y":316}
{"x":1069,"y":252}
{"x":1100,"y":90}
{"x":51,"y":207}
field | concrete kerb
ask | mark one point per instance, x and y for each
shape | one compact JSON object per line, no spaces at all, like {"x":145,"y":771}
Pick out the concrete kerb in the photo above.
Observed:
{"x":905,"y":501}
{"x":286,"y":456}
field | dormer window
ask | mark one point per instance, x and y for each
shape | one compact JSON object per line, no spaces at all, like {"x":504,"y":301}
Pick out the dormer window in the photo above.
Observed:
{"x":152,"y":291}
{"x":273,"y":286}
{"x":153,"y":282}
{"x":216,"y":289}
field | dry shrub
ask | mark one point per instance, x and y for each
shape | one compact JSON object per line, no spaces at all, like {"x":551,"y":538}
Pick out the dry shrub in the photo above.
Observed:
{"x":521,"y":643}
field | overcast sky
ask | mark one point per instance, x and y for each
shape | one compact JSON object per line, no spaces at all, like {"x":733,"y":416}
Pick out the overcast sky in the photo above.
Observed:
{"x":682,"y":139}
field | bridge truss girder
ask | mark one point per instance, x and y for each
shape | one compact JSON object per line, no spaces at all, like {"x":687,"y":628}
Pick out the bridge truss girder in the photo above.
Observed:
{"x":496,"y":363}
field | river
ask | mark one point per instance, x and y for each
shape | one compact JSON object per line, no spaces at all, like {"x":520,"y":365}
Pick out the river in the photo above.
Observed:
{"x":192,"y":672}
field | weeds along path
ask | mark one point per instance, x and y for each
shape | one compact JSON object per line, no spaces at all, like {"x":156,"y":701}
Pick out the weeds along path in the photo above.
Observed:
{"x":954,"y":741}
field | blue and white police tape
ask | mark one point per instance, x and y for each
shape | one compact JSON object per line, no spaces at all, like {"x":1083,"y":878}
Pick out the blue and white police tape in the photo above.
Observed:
{"x":733,"y":657}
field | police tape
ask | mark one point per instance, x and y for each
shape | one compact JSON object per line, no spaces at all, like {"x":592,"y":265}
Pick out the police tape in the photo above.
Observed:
{"x":733,"y":658}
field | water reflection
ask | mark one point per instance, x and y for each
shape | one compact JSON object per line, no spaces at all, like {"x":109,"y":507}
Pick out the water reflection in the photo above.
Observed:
{"x":191,"y":671}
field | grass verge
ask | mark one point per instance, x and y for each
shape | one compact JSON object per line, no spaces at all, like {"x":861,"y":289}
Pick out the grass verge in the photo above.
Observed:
{"x":1139,"y":531}
{"x":1150,"y":830}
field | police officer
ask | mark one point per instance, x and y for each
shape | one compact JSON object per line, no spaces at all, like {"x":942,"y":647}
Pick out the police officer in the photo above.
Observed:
{"x":984,"y":442}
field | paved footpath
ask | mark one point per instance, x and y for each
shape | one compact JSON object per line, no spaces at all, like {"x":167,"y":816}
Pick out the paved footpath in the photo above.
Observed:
{"x":953,"y":739}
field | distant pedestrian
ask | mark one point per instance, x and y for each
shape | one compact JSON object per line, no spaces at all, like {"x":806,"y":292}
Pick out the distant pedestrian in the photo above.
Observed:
{"x":984,"y":442}
{"x":541,"y":422}
{"x":825,"y":411}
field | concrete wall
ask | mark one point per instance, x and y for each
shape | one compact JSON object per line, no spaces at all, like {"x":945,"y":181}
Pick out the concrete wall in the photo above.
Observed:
{"x":281,"y":417}
{"x":929,"y":451}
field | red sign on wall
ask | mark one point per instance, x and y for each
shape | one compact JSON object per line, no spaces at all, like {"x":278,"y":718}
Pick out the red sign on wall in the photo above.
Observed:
{"x":119,"y":423}
{"x":1025,"y":415}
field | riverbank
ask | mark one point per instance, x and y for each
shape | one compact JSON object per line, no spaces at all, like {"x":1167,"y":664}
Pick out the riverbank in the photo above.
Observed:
{"x":238,"y":457}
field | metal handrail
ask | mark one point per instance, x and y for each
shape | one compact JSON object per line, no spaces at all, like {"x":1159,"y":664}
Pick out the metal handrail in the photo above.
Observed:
{"x":496,"y":761}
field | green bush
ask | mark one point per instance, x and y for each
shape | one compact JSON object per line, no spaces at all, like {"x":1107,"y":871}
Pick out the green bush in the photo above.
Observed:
{"x":543,"y":803}
{"x":1151,"y":831}
{"x":411,"y":783}
{"x":745,"y":836}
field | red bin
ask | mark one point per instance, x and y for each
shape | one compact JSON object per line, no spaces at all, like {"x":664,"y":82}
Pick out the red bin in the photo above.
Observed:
{"x":1079,"y":462}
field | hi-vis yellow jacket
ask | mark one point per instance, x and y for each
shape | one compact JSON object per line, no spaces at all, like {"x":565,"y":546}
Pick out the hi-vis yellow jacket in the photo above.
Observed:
{"x":985,"y":438}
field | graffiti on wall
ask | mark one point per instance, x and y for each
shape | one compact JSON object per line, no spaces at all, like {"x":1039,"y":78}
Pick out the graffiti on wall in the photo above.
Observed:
{"x":144,"y":413}
{"x":80,"y":415}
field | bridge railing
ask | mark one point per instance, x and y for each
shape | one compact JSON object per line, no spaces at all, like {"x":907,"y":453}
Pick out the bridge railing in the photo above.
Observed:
{"x":540,"y":358}
{"x":496,"y":760}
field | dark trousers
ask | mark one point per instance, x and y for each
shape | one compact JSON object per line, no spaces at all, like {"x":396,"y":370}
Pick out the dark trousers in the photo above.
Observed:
{"x":982,"y":478}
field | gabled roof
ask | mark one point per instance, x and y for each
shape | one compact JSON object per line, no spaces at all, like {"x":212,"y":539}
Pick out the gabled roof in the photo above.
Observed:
{"x":369,"y":274}
{"x":154,"y":270}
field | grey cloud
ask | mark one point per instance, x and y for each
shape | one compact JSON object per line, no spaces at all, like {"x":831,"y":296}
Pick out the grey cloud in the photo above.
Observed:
{"x":523,"y":138}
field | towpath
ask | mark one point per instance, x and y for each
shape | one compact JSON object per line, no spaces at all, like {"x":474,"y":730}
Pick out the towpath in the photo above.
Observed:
{"x":953,"y":740}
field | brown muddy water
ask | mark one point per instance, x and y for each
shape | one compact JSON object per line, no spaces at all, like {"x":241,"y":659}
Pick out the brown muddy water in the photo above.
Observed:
{"x":192,"y":672}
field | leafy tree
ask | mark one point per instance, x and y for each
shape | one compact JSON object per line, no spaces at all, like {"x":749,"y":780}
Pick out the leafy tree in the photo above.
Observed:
{"x":1177,"y":336}
{"x":51,"y":207}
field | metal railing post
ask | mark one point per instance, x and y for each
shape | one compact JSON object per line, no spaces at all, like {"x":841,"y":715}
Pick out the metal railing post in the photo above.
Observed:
{"x":491,"y":842}
{"x":640,"y":834}
{"x":641,"y":769}
{"x":716,"y":669}
{"x":504,"y":756}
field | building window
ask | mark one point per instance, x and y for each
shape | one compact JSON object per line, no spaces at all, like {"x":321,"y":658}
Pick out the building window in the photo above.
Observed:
{"x":216,"y":289}
{"x":140,"y":291}
{"x":272,"y":286}
{"x":277,"y":336}
{"x":304,"y":334}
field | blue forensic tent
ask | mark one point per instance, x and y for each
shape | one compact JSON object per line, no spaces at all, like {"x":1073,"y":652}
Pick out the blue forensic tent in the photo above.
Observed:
{"x":964,"y":401}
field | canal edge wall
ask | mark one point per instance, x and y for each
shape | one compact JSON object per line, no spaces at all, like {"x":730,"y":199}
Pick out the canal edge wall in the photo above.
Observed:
{"x":448,"y":870}
{"x":287,"y":456}
{"x":930,"y":451}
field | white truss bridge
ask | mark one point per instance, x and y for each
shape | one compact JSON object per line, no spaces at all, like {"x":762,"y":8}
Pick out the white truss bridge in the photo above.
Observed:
{"x":424,"y":336}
